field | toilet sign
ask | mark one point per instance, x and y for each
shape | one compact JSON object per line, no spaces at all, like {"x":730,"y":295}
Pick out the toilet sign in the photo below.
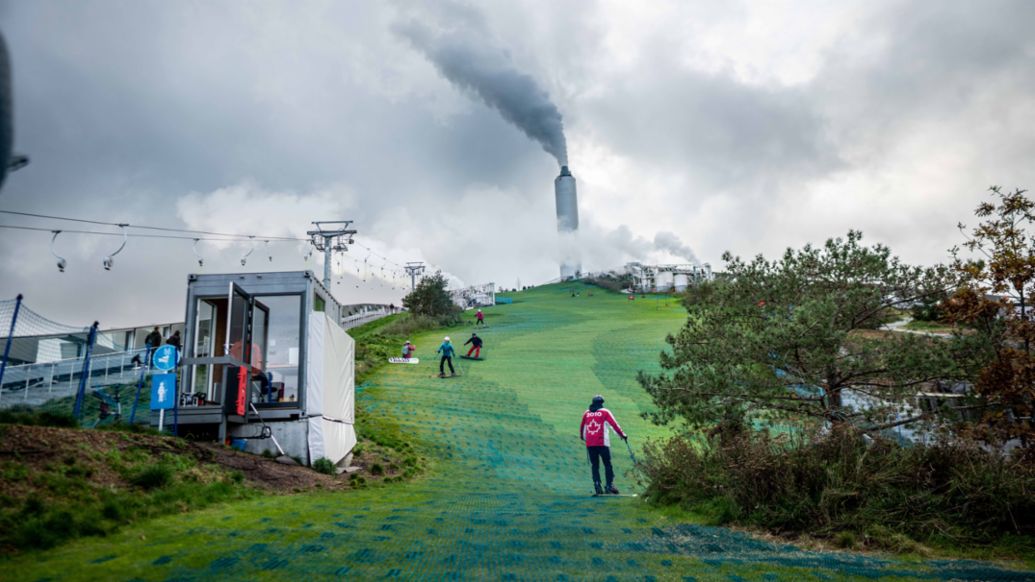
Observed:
{"x":163,"y":395}
{"x":163,"y":391}
{"x":164,"y":358}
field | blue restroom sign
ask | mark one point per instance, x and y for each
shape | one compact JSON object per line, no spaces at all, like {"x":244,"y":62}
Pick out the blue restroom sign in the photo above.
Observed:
{"x":163,"y":391}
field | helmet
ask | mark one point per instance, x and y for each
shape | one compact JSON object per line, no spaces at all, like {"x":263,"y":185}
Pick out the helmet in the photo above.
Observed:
{"x":446,"y":338}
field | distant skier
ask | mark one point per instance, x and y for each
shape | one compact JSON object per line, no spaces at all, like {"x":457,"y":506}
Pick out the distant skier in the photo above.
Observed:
{"x":447,"y":351}
{"x":476,"y":345}
{"x":479,"y":318}
{"x":408,"y":349}
{"x":595,"y":432}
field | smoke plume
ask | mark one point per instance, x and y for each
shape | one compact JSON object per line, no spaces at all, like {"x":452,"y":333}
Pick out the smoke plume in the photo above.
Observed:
{"x":469,"y":60}
{"x":668,"y":241}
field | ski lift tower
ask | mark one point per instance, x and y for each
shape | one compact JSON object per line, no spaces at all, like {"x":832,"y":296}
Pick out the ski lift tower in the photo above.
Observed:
{"x":329,"y":236}
{"x":415,"y":269}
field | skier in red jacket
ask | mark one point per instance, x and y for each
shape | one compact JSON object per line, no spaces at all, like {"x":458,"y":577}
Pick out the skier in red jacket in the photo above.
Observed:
{"x":595,"y":432}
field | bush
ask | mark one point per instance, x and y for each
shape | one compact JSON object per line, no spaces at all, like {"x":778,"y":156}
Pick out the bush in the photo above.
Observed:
{"x":611,"y":281}
{"x":324,"y":466}
{"x":22,"y":414}
{"x":152,"y":477}
{"x":838,"y":483}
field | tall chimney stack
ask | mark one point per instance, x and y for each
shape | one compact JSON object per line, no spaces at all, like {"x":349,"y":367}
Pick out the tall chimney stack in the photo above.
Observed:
{"x":567,"y":219}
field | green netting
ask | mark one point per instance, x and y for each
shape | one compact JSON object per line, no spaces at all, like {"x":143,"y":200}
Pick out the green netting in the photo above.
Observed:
{"x":508,"y":495}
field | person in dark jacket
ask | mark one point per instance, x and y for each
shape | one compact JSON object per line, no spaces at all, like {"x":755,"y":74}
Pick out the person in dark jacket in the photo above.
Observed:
{"x":174,"y":341}
{"x":595,"y":431}
{"x":476,"y":345}
{"x":153,"y":339}
{"x":447,"y":351}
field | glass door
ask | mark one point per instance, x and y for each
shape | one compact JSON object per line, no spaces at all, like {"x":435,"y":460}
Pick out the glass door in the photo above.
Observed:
{"x":238,"y":324}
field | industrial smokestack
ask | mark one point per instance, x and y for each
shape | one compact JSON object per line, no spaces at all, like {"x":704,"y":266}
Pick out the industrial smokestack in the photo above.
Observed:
{"x":567,"y":219}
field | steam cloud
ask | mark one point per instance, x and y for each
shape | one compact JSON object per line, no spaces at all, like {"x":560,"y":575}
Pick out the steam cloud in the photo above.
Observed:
{"x":468,"y":60}
{"x":668,"y":241}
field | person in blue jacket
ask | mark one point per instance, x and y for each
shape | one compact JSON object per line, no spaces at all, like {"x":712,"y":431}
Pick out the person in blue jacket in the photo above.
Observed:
{"x":447,"y":351}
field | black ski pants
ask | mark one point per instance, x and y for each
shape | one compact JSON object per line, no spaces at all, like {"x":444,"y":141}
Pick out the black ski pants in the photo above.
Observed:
{"x":442,"y":365}
{"x":597,"y":454}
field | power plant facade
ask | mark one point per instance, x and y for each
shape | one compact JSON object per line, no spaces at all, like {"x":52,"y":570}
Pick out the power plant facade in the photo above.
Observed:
{"x":567,"y":221}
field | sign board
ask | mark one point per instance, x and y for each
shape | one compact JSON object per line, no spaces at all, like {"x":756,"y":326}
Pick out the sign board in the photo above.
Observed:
{"x":164,"y":358}
{"x":163,"y":391}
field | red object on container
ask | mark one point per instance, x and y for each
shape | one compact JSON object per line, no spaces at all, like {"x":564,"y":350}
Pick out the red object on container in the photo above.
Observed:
{"x":242,"y":385}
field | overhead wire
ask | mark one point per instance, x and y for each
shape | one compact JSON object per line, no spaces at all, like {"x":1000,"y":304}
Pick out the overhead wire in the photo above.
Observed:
{"x":185,"y":233}
{"x":149,"y":227}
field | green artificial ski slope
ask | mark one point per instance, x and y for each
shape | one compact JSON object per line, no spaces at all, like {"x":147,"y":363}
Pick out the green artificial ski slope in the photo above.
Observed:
{"x":507,"y":497}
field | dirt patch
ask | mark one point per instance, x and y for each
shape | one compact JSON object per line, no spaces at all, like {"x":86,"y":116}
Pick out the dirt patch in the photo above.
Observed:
{"x":41,"y":446}
{"x":265,"y":473}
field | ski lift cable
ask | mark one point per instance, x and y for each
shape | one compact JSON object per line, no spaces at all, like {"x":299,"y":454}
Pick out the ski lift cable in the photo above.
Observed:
{"x":142,"y":235}
{"x":146,"y":227}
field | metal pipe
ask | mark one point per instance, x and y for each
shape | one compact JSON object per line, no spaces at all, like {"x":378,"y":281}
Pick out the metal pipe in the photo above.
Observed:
{"x":10,"y":337}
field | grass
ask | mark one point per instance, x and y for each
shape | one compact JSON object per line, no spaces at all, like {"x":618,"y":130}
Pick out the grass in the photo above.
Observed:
{"x":505,"y":490}
{"x":94,"y":491}
{"x":929,"y":326}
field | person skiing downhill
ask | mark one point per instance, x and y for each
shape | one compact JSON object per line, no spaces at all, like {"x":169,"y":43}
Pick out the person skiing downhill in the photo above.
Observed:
{"x":479,"y":318}
{"x":447,"y":351}
{"x":476,"y":345}
{"x":595,"y":431}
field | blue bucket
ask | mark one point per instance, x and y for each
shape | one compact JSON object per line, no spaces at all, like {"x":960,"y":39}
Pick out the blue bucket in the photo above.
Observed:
{"x":238,"y":444}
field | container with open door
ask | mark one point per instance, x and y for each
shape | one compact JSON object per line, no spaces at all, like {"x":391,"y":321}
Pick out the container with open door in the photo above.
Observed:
{"x":265,"y":355}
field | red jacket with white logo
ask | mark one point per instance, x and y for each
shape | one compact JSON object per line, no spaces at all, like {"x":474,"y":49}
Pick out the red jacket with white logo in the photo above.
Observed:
{"x":596,"y":428}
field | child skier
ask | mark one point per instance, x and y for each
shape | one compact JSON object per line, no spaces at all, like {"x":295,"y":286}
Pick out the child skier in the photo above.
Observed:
{"x":447,"y":351}
{"x":476,"y":345}
{"x":408,"y":349}
{"x":479,"y":318}
{"x":595,"y":432}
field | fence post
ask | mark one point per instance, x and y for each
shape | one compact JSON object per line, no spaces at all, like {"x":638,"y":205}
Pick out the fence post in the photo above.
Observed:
{"x":10,"y":338}
{"x":140,"y":382}
{"x":85,"y":375}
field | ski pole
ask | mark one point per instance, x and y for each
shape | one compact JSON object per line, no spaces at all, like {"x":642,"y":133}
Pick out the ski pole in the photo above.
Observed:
{"x":631,"y":455}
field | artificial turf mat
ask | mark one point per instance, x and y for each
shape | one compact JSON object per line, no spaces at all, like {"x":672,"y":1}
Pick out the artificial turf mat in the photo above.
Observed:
{"x":508,"y":494}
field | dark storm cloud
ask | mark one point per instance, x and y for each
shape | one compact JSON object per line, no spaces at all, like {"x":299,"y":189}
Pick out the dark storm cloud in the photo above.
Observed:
{"x":468,"y":57}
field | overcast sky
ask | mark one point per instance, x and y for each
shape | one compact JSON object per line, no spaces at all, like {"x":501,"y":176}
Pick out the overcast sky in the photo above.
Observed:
{"x":741,"y":126}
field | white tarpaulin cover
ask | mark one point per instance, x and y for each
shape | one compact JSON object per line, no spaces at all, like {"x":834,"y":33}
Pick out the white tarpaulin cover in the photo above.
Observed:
{"x":330,"y":389}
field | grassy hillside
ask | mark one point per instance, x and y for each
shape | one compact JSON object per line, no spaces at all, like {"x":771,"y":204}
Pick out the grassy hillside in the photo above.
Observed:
{"x":507,"y":490}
